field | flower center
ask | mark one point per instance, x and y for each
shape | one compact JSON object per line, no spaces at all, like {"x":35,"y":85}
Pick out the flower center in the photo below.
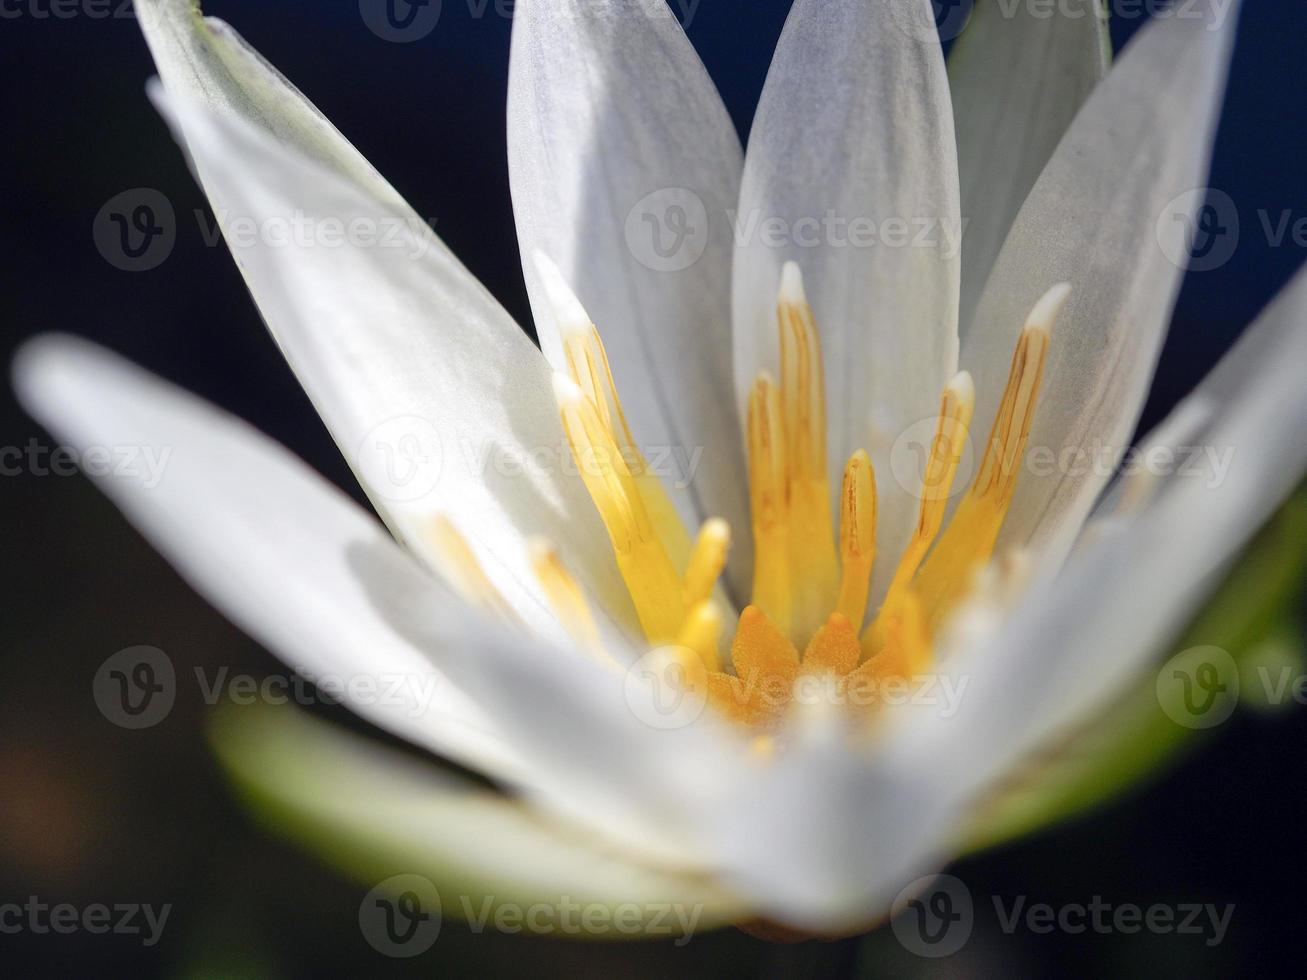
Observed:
{"x":810,"y":586}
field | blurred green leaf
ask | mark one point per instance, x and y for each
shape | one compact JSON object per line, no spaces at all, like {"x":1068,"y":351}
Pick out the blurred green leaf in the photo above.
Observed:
{"x":383,"y":816}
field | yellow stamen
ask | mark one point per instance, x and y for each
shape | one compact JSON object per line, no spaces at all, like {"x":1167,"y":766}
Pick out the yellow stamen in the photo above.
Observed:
{"x":565,"y":597}
{"x":702,"y":633}
{"x":812,"y":553}
{"x":857,"y":536}
{"x":459,"y":563}
{"x":706,"y":561}
{"x":588,"y":367}
{"x":771,"y":567}
{"x":946,"y":449}
{"x":971,"y":535}
{"x":646,"y":567}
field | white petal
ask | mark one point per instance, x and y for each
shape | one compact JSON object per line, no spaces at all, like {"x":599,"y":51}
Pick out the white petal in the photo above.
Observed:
{"x":202,"y":60}
{"x":1123,"y":597}
{"x":850,"y":161}
{"x":266,"y":540}
{"x":1018,"y":78}
{"x":826,"y":835}
{"x":306,"y":571}
{"x":380,"y":813}
{"x":617,"y":135}
{"x":1107,"y":216}
{"x":437,"y":400}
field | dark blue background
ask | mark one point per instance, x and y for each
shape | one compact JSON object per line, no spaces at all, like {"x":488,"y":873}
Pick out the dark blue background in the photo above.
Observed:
{"x":91,"y":813}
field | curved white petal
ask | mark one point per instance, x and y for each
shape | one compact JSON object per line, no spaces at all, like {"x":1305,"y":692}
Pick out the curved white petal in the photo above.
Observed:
{"x":266,"y":540}
{"x":1109,"y":216}
{"x":436,"y":398}
{"x":1019,"y":73}
{"x":624,"y":165}
{"x":306,"y":571}
{"x":851,"y":172}
{"x":378,"y":813}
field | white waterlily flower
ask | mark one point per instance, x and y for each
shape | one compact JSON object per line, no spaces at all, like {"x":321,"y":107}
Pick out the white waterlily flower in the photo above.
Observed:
{"x":520,"y":606}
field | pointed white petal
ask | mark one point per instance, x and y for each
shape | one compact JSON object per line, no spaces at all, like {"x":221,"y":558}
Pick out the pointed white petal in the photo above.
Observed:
{"x":1109,"y":215}
{"x":851,"y":172}
{"x":1019,"y":74}
{"x":624,"y":165}
{"x":378,"y":813}
{"x":436,"y":398}
{"x":204,"y":61}
{"x":286,"y":556}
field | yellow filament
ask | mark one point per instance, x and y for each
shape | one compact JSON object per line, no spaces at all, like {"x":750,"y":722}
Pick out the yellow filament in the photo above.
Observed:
{"x":812,"y":554}
{"x":702,"y":633}
{"x":956,"y":408}
{"x":460,"y":565}
{"x":706,"y":561}
{"x":647,"y":569}
{"x":587,"y":365}
{"x":766,"y":444}
{"x":565,"y":597}
{"x":857,"y":536}
{"x":969,"y":540}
